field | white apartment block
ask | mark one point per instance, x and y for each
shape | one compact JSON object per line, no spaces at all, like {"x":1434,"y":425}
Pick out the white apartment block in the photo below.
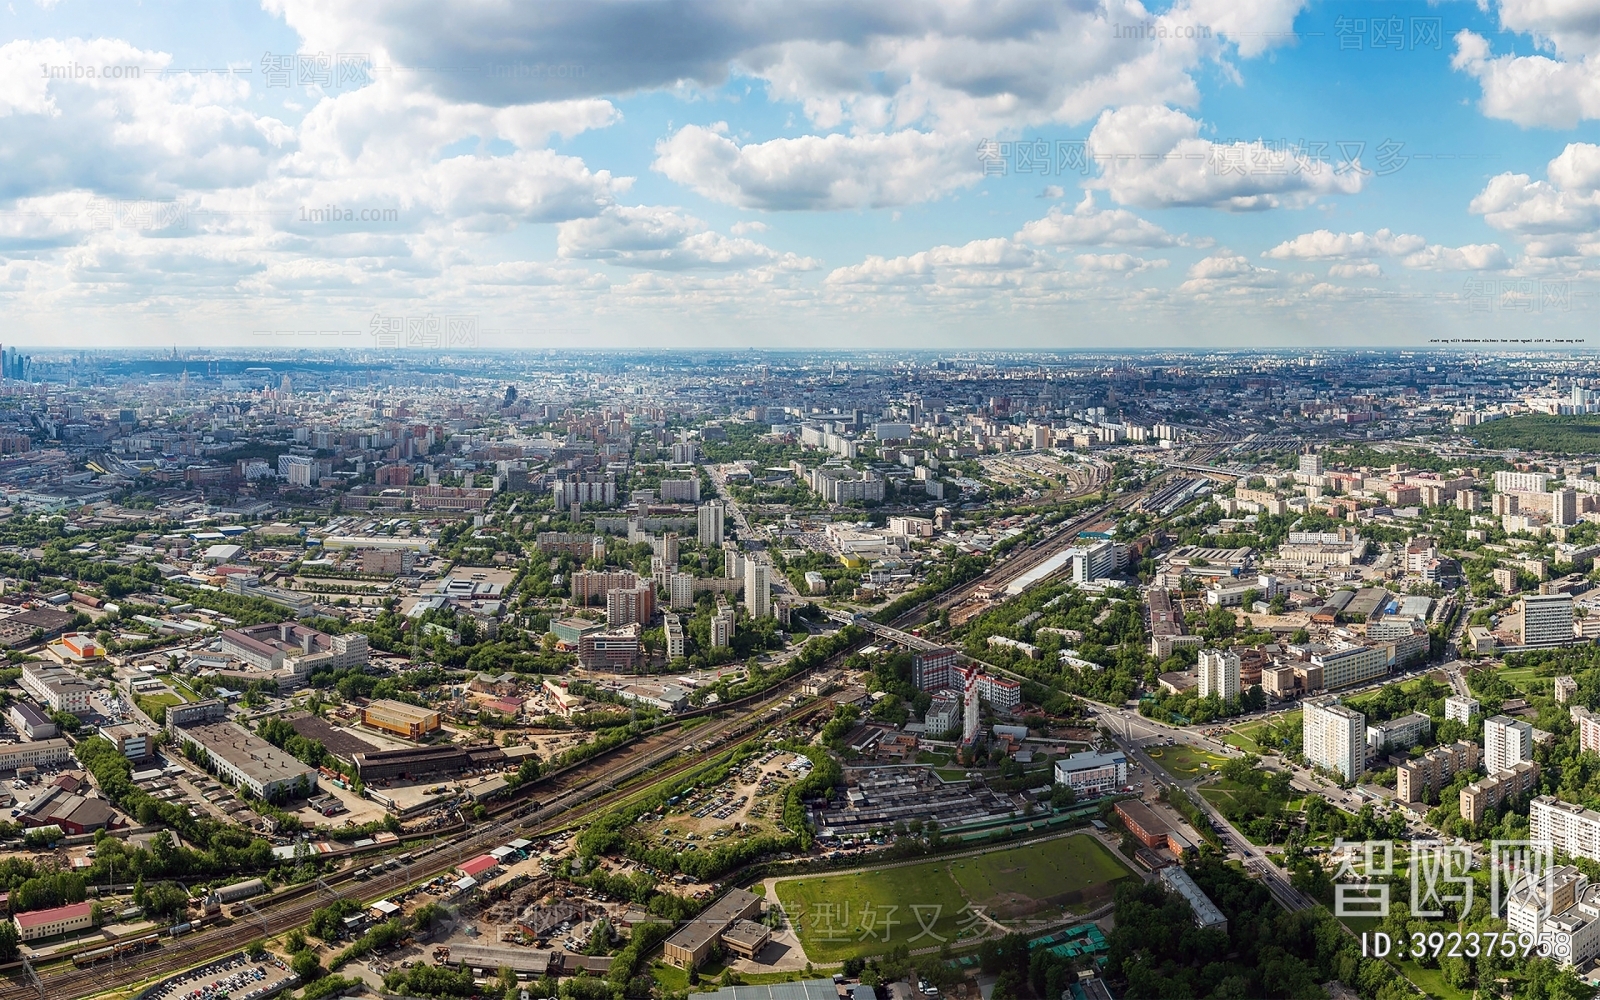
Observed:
{"x":710,"y":527}
{"x":1461,"y":708}
{"x":757,"y":589}
{"x":1219,"y":674}
{"x":1588,"y":728}
{"x":1506,"y":741}
{"x":1334,"y":737}
{"x":1571,"y":829}
{"x":1352,"y":664}
{"x":1561,"y":907}
{"x":680,"y":590}
{"x":1522,"y":482}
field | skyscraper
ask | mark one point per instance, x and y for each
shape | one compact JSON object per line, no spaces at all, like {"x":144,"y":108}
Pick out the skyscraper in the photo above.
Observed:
{"x":757,"y":589}
{"x":710,"y":524}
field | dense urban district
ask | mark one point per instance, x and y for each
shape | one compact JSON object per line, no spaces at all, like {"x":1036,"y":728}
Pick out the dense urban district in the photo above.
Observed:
{"x":798,"y":677}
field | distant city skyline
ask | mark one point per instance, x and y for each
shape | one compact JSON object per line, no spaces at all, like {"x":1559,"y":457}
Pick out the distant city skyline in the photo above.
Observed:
{"x":1247,"y":175}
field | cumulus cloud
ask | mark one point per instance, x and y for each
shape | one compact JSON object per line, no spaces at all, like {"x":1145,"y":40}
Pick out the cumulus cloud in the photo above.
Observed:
{"x":1554,"y":90}
{"x":1087,"y":225}
{"x":1153,"y":157}
{"x":819,"y":172}
{"x":1368,"y":270}
{"x":951,"y":65}
{"x":1555,"y":217}
{"x":1325,"y":244}
{"x":992,"y":257}
{"x":1472,"y":257}
{"x":1117,"y":263}
{"x":657,"y":238}
{"x":1226,"y":271}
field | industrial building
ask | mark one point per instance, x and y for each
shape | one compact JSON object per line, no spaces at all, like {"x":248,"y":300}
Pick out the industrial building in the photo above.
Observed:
{"x":248,"y":761}
{"x":59,"y":689}
{"x":292,"y":652}
{"x":42,"y":753}
{"x":29,"y":722}
{"x":692,"y":943}
{"x":420,"y":762}
{"x":399,"y":718}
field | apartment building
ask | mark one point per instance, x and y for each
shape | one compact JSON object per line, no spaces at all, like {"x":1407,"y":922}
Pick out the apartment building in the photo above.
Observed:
{"x":1487,"y":793}
{"x":1333,"y":736}
{"x":1219,"y":674}
{"x":1570,"y":828}
{"x":1506,"y":741}
{"x":1434,"y":770}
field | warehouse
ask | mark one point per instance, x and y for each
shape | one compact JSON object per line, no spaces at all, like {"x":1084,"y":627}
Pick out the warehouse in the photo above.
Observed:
{"x":422,"y":761}
{"x":692,"y":943}
{"x":248,"y":761}
{"x":401,"y":719}
{"x":37,"y":924}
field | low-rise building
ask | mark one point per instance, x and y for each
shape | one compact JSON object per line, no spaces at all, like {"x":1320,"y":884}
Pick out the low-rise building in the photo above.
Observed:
{"x":690,"y":945}
{"x":1404,"y":732}
{"x":1091,"y":775}
{"x":248,"y":761}
{"x":30,"y":723}
{"x":36,"y":925}
{"x":1206,"y":914}
{"x":41,"y":753}
{"x":59,"y":689}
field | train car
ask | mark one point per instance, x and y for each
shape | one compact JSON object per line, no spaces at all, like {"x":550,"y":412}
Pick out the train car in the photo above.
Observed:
{"x":240,"y":890}
{"x":86,"y":958}
{"x":178,"y":930}
{"x":137,"y":944}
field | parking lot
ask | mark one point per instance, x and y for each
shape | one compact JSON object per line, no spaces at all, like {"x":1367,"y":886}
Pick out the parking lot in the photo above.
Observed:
{"x":236,"y":978}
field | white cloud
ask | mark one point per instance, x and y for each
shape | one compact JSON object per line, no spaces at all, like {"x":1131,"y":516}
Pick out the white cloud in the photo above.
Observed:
{"x":1153,"y":157}
{"x":1368,"y":270}
{"x":1556,"y":88}
{"x":993,"y":257}
{"x":819,"y":172}
{"x":1555,"y":217}
{"x":659,"y":238}
{"x":1087,"y":225}
{"x":1472,"y":257}
{"x":1327,"y":245}
{"x":1228,"y":272}
{"x":1117,"y":263}
{"x":741,"y":227}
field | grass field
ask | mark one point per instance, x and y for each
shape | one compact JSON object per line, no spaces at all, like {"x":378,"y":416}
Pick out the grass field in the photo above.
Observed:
{"x":1039,"y":871}
{"x":1186,"y":762}
{"x":156,"y":705}
{"x":922,"y":905}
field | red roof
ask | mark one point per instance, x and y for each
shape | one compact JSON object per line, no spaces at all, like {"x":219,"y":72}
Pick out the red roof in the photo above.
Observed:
{"x":72,"y":911}
{"x":477,"y":866}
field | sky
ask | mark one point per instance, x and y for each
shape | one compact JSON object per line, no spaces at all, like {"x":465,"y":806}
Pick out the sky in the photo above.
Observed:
{"x":399,"y":175}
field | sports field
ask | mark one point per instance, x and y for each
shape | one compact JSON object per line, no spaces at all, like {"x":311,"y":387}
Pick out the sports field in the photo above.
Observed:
{"x":924,"y":905}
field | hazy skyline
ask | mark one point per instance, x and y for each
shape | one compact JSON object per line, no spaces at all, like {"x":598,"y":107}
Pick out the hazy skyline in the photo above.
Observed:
{"x":1257,"y":174}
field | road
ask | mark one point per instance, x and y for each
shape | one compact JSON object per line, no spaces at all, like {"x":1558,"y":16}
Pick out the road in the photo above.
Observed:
{"x":1133,"y":734}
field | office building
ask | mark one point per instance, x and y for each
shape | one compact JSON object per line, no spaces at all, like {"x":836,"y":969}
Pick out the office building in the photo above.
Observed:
{"x":1546,"y":619}
{"x":1461,"y":708}
{"x":757,"y":589}
{"x":399,"y":718}
{"x":1560,"y":909}
{"x":1334,"y":737}
{"x":613,"y":649}
{"x":1091,"y":775}
{"x":1487,"y":793}
{"x":1352,"y":664}
{"x":1570,"y":829}
{"x":292,"y":653}
{"x":710,"y":518}
{"x":1506,"y":741}
{"x":1402,"y":733}
{"x":59,"y":689}
{"x":1219,"y":674}
{"x":39,"y":753}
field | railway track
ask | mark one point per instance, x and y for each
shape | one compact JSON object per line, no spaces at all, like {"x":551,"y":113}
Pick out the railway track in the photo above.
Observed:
{"x":576,"y":796}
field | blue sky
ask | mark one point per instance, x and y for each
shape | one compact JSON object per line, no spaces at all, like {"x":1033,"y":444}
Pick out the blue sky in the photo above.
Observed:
{"x":1254,"y":173}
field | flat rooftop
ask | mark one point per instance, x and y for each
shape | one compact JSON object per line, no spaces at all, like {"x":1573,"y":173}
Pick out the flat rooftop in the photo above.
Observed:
{"x":249,"y":753}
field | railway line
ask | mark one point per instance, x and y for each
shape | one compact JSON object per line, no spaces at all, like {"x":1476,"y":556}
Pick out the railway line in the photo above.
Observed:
{"x":571,"y":797}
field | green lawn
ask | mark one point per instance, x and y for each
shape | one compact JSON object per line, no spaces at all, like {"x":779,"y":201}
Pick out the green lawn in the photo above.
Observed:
{"x":925,"y":904}
{"x":156,"y":705}
{"x":1039,"y":871}
{"x":1186,"y":762}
